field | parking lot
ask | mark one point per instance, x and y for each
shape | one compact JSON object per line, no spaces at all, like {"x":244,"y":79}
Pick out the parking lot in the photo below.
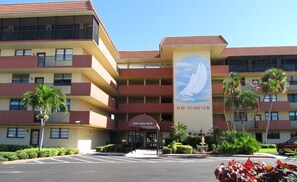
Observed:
{"x":94,"y":168}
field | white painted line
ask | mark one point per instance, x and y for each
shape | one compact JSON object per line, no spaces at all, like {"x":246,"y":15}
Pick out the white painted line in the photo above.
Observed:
{"x":37,"y":161}
{"x":78,"y":159}
{"x":117,"y":158}
{"x":58,"y":160}
{"x":93,"y":158}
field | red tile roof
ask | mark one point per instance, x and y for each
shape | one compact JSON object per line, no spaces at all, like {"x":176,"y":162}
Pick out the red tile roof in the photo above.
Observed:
{"x":192,"y":40}
{"x":139,"y":54}
{"x":46,"y":7}
{"x":256,"y":51}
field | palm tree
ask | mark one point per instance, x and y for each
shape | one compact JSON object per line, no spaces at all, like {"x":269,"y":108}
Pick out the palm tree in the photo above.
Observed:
{"x":231,"y":87}
{"x":245,"y":100}
{"x":179,"y":132}
{"x":46,"y":100}
{"x":273,"y":81}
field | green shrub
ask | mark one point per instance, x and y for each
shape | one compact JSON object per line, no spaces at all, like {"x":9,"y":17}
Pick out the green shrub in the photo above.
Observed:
{"x":123,"y":148}
{"x":167,"y":150}
{"x":184,"y":149}
{"x":61,"y":151}
{"x":71,"y":151}
{"x":99,"y":148}
{"x":3,"y":159}
{"x":264,"y":146}
{"x":172,"y":146}
{"x":272,"y":146}
{"x":11,"y":156}
{"x":237,"y":142}
{"x":192,"y":140}
{"x":22,"y":154}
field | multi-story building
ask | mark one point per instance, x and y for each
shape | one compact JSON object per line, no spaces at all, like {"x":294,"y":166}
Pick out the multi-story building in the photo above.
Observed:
{"x":123,"y":96}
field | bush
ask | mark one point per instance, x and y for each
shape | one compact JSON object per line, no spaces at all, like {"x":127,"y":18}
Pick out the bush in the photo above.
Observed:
{"x":237,"y":142}
{"x":184,"y":149}
{"x":264,"y":146}
{"x":167,"y":150}
{"x":61,"y":151}
{"x":172,"y":146}
{"x":22,"y":154}
{"x":3,"y":159}
{"x":124,"y":148}
{"x":193,"y":140}
{"x":71,"y":151}
{"x":11,"y":156}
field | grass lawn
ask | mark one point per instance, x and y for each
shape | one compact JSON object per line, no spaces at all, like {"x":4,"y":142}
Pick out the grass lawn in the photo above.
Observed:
{"x":268,"y":150}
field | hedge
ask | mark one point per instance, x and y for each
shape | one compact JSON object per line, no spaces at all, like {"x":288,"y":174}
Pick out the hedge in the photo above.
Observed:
{"x":167,"y":150}
{"x":12,"y":147}
{"x":32,"y":153}
{"x":184,"y":149}
{"x":124,"y":148}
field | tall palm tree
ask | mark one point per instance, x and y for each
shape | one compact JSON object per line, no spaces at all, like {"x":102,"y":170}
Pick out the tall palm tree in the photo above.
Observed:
{"x":231,"y":87}
{"x":273,"y":81}
{"x":245,"y":100}
{"x":179,"y":132}
{"x":45,"y":100}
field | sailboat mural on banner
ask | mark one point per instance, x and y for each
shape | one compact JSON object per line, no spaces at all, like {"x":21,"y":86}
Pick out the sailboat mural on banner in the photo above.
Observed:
{"x":192,"y":80}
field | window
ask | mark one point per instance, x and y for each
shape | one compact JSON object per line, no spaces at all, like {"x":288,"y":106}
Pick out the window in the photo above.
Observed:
{"x":62,"y":79}
{"x":258,"y":117}
{"x":59,"y":133}
{"x":64,"y":54}
{"x":27,"y":52}
{"x":274,"y":116}
{"x":293,"y":115}
{"x":16,"y":105}
{"x":255,"y":82}
{"x":62,"y":109}
{"x":20,"y":78}
{"x":273,"y":135}
{"x":15,"y":133}
{"x":266,"y":98}
{"x":241,"y":116}
{"x":292,"y":97}
{"x":292,"y":80}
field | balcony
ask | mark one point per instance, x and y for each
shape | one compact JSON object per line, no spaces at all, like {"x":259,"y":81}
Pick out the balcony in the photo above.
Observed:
{"x":274,"y":125}
{"x":142,"y":108}
{"x":93,"y":94}
{"x":146,"y":72}
{"x":15,"y":89}
{"x":73,"y":117}
{"x":91,"y":118}
{"x":218,"y":107}
{"x":217,"y":88}
{"x":221,"y":124}
{"x":17,"y":117}
{"x":219,"y":70}
{"x":276,"y":106}
{"x":146,"y":90}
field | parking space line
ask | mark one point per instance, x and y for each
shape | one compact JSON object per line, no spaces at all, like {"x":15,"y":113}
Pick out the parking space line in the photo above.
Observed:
{"x":78,"y":159}
{"x":93,"y":158}
{"x":117,"y":159}
{"x":37,"y":161}
{"x":58,"y":160}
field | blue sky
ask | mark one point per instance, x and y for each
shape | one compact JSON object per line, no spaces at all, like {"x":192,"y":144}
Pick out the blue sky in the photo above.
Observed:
{"x":141,"y":24}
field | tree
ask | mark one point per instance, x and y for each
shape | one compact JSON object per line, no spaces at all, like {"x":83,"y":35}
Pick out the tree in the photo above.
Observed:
{"x":179,"y":132}
{"x":245,"y":100}
{"x":273,"y":81}
{"x":45,"y":100}
{"x":231,"y":87}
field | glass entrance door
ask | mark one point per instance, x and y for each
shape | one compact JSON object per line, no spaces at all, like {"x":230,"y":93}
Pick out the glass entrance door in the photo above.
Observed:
{"x":34,"y":137}
{"x":151,"y":140}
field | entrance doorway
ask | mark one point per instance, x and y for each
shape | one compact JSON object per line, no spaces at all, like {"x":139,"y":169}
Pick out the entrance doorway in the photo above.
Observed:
{"x":41,"y":59}
{"x":34,"y":139}
{"x":39,"y":80}
{"x":151,"y":140}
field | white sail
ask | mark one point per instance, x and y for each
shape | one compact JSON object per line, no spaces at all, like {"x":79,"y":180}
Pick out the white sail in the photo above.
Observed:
{"x":197,"y":81}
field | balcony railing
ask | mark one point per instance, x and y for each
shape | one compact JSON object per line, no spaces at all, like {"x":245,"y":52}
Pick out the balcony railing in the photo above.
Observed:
{"x":52,"y":61}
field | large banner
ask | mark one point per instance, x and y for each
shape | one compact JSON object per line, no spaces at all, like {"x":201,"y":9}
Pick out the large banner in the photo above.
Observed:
{"x":192,"y":90}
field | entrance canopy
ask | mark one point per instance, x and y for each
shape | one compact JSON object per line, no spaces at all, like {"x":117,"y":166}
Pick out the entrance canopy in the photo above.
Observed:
{"x":144,"y":122}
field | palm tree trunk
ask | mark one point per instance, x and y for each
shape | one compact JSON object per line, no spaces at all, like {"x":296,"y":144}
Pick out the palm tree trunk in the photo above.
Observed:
{"x":41,"y":132}
{"x":268,"y":121}
{"x":225,"y":114}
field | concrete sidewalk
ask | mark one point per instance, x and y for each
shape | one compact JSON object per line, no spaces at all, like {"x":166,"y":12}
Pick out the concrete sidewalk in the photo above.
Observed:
{"x":141,"y":153}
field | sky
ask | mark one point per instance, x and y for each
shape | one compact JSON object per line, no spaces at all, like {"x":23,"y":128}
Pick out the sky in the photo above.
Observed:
{"x":142,"y":24}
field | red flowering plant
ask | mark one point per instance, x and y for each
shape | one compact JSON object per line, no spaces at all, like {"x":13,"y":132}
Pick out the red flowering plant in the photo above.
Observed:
{"x":255,"y":172}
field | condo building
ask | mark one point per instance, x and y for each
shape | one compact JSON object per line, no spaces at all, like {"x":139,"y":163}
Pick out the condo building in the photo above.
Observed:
{"x":126,"y":96}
